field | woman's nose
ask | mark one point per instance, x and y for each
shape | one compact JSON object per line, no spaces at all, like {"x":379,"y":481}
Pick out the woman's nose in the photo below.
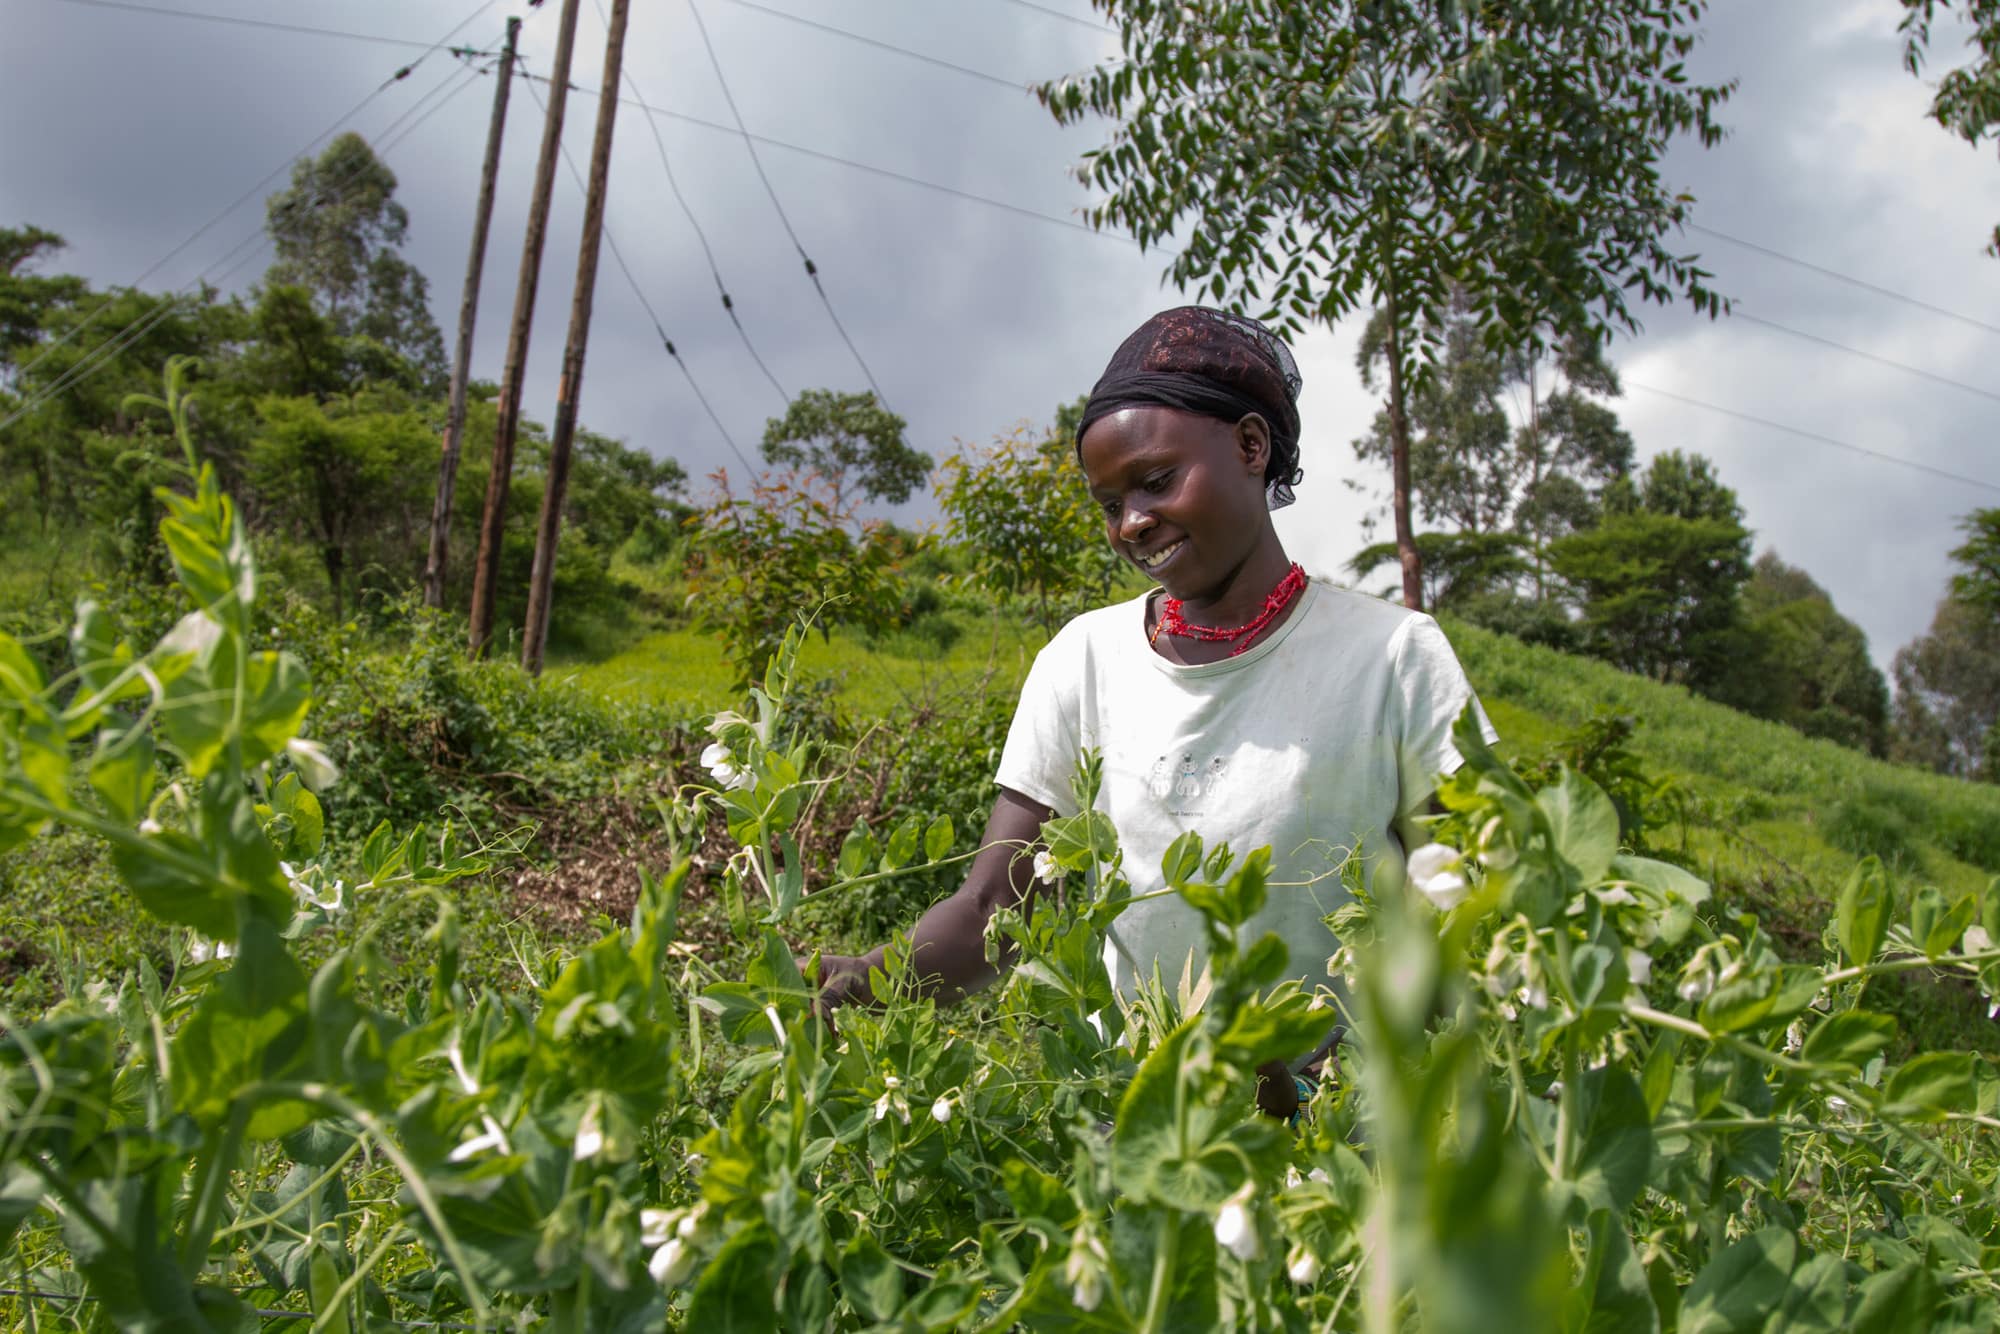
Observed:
{"x":1134,"y":523}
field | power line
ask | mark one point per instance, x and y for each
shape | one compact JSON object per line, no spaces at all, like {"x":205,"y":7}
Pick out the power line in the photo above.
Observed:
{"x":267,"y":178}
{"x":1018,"y":85}
{"x":1815,"y":436}
{"x":1066,"y":18}
{"x":665,"y":342}
{"x":251,"y":23}
{"x":1849,"y":279}
{"x":1905,"y":367}
{"x":812,"y":271}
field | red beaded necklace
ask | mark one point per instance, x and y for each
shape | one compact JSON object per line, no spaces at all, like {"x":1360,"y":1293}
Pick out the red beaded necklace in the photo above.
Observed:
{"x":1173,"y":623}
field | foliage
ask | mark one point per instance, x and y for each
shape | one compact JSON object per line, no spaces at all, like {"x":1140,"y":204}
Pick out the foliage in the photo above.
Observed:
{"x":1811,"y":661}
{"x":786,"y":544}
{"x":338,"y":231}
{"x":1020,"y":507}
{"x":26,"y":297}
{"x":852,"y":442}
{"x":1307,"y":159}
{"x":1967,"y":100}
{"x":1459,"y":568}
{"x":1948,"y":693}
{"x":1977,"y":584}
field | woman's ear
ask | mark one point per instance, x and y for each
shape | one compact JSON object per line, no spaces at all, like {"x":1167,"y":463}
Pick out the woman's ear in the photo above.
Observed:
{"x":1253,"y":443}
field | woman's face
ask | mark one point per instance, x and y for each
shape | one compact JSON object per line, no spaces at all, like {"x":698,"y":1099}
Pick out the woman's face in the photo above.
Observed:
{"x":1182,"y":494}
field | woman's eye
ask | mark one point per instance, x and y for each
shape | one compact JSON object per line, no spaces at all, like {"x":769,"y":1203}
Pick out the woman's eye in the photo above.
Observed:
{"x":1158,"y":482}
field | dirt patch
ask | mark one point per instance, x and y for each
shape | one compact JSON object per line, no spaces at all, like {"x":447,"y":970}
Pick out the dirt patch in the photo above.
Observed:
{"x":18,"y":959}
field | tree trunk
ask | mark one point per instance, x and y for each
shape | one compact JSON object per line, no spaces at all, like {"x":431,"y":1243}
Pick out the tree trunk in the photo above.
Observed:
{"x":468,"y":311}
{"x":1399,"y":459}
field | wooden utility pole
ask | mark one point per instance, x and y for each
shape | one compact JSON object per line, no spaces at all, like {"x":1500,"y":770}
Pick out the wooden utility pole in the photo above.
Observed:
{"x":468,"y":312}
{"x":548,"y":530}
{"x":493,"y":519}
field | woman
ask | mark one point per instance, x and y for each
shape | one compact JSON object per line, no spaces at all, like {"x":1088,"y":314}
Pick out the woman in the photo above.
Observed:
{"x":1240,"y":699}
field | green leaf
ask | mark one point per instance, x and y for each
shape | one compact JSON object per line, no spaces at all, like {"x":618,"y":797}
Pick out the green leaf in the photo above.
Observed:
{"x":857,"y":852}
{"x":1847,"y":1040}
{"x":122,"y":772}
{"x":1736,"y":1290}
{"x":1928,"y":1086}
{"x":249,"y":1027}
{"x":870,"y":1279}
{"x":1179,"y":1151}
{"x":737,"y":1293}
{"x":305,"y":833}
{"x":1894,"y":1301}
{"x":1927,"y":915}
{"x":1944,"y":934}
{"x":1583,"y":825}
{"x":1862,"y":918}
{"x":938,"y":838}
{"x":1740,"y":1003}
{"x":1617,"y":1140}
{"x":902,"y":843}
{"x":1816,"y":1301}
{"x":1182,"y":860}
{"x":1611,"y":1295}
{"x":1665,"y":879}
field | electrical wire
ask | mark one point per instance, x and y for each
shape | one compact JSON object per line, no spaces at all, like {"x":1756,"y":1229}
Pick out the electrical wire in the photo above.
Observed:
{"x":1847,"y":278}
{"x":1815,"y":436}
{"x":250,"y":23}
{"x":101,"y":355}
{"x":1066,"y":18}
{"x":1018,"y":85}
{"x":618,"y":256}
{"x":1905,"y":367}
{"x":812,"y":271}
{"x":267,"y":178}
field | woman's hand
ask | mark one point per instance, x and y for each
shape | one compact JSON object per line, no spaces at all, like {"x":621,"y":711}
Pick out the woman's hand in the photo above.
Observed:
{"x":843,"y":980}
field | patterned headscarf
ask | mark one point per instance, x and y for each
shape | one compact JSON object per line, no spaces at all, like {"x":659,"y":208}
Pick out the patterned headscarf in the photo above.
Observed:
{"x":1212,"y":363}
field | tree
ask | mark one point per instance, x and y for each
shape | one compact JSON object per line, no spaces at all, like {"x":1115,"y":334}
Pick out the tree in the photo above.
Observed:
{"x":1658,"y":579}
{"x":1811,"y":663}
{"x":1463,"y":468}
{"x":1460,"y":569}
{"x":1978,"y":584}
{"x":338,"y":232}
{"x":852,"y":441}
{"x":1967,"y":100}
{"x":1020,"y":508}
{"x":1309,"y":157}
{"x":339,"y":473}
{"x":25,"y":297}
{"x":1948,"y":679}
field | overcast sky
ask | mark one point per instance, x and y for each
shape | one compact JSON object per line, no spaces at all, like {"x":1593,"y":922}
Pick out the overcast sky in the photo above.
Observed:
{"x":127,"y":131}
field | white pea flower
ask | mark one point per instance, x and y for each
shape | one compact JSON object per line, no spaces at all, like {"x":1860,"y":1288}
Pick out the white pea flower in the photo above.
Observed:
{"x":892,"y":1100}
{"x":1795,"y":1037}
{"x":941,"y":1111}
{"x":1085,"y":1270}
{"x":672,"y":1263}
{"x":1303,"y":1267}
{"x":149,"y":826}
{"x":1976,"y":941}
{"x":722,"y":765}
{"x":1698,"y":978}
{"x":1046,"y":869}
{"x":1555,"y":1090}
{"x":1638,"y":967}
{"x":491,"y":1136}
{"x":316,"y":769}
{"x":1617,"y":896}
{"x":1535,"y":996}
{"x":690,"y":1222}
{"x":656,"y":1226}
{"x":1235,"y":1229}
{"x":590,"y":1132}
{"x":1434,"y":873}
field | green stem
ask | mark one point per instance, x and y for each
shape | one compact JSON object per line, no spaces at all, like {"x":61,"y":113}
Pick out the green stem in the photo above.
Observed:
{"x":220,"y":1152}
{"x":1906,"y":965}
{"x":1566,"y":1110}
{"x":1165,"y":1254}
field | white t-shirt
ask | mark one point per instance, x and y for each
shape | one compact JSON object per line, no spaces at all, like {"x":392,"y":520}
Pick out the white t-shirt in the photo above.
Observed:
{"x":1315,"y":742}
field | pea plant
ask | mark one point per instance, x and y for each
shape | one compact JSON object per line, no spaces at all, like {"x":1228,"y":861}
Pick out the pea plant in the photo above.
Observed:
{"x":1574,"y":1096}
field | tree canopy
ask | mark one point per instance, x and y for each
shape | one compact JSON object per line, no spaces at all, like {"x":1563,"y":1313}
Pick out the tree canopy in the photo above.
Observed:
{"x":852,"y":441}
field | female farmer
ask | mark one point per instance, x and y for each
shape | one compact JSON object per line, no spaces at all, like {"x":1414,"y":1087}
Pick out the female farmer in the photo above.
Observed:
{"x":1240,"y":699}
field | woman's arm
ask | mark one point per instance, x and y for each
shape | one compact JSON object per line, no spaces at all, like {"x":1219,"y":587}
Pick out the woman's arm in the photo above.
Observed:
{"x":948,"y":944}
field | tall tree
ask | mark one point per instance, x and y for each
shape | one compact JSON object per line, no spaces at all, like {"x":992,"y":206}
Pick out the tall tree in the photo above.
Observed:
{"x":1308,"y":158}
{"x":339,"y":231}
{"x":27,"y":297}
{"x":1811,"y":663}
{"x":853,"y":442}
{"x":1948,"y":679}
{"x":1658,"y":579}
{"x":1463,"y":468}
{"x":1967,"y":99}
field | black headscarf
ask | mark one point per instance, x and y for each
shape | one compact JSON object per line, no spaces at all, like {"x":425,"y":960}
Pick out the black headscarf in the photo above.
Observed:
{"x":1212,"y":363}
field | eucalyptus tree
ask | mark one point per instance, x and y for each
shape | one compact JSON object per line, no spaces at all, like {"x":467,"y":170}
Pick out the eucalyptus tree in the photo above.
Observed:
{"x":1310,"y":160}
{"x":1966,"y":100}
